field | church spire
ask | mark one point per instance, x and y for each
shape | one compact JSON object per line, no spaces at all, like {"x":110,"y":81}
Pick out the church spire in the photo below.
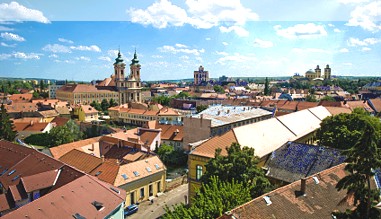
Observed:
{"x":135,"y":60}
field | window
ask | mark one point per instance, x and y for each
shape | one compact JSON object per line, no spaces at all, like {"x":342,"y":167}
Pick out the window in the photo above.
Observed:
{"x":136,"y":173}
{"x":157,"y":166}
{"x":150,"y":190}
{"x":98,"y":205}
{"x":198,"y":172}
{"x":158,"y":186}
{"x":148,"y":169}
{"x":142,"y":192}
{"x":125,"y":177}
{"x":10,"y":173}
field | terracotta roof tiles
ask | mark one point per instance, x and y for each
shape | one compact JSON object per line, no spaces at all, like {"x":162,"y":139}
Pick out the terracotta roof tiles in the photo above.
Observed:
{"x":60,"y":150}
{"x":208,"y":148}
{"x":81,"y":160}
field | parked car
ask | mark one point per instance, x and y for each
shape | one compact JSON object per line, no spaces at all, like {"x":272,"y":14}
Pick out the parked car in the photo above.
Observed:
{"x":131,"y":209}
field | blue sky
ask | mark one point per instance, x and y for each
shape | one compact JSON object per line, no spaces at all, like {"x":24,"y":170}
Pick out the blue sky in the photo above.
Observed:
{"x":78,"y":40}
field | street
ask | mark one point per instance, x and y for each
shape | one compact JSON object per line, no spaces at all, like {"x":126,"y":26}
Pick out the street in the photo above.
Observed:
{"x":148,"y":211}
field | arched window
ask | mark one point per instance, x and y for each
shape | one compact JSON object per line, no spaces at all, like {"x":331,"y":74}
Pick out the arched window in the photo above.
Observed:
{"x":198,"y":172}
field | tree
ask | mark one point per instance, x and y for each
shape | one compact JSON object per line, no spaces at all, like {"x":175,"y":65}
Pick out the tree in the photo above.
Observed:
{"x":362,"y":158}
{"x":328,"y":98}
{"x":267,"y":88}
{"x":165,"y":151}
{"x":241,"y":165}
{"x":218,"y":89}
{"x":113,"y":103}
{"x":70,"y":132}
{"x":342,"y":131}
{"x":201,"y":108}
{"x":183,"y":95}
{"x":96,"y":105}
{"x":311,"y":98}
{"x":41,"y":139}
{"x":212,"y":200}
{"x":6,"y":126}
{"x":105,"y":105}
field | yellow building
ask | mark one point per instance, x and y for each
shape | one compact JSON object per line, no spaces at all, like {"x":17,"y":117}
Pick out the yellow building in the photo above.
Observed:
{"x":120,"y":87}
{"x":86,"y":113}
{"x":265,"y":137}
{"x":311,"y":75}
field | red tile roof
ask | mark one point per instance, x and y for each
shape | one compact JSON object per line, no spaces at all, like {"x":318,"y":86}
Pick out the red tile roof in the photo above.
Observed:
{"x":60,"y":121}
{"x":21,"y":97}
{"x":319,"y":201}
{"x":30,"y":126}
{"x":81,"y":160}
{"x":208,"y":148}
{"x":34,"y":182}
{"x":60,"y":150}
{"x":376,"y":104}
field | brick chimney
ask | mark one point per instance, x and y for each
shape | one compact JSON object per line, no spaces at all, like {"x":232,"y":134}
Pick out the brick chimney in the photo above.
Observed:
{"x":303,"y":186}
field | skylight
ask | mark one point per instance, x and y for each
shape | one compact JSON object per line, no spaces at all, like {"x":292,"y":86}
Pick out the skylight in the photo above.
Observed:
{"x":115,"y":190}
{"x":125,"y":177}
{"x":78,"y":216}
{"x":98,"y":205}
{"x":12,"y":172}
{"x":136,"y":173}
{"x":316,"y":180}
{"x":157,"y":166}
{"x":98,"y":173}
{"x":15,"y":178}
{"x":267,"y":200}
{"x":148,"y":169}
{"x":2,"y":173}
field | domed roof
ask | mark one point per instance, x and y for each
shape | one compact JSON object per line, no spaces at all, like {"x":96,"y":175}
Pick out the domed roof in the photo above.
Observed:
{"x":310,"y":72}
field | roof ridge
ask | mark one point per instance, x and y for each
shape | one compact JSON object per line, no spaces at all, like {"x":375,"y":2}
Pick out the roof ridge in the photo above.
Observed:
{"x":324,"y":172}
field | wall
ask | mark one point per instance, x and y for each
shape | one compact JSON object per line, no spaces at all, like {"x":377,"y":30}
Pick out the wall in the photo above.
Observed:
{"x":195,"y":129}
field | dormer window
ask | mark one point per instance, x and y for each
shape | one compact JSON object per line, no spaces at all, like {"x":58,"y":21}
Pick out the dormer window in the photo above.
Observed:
{"x":98,"y":205}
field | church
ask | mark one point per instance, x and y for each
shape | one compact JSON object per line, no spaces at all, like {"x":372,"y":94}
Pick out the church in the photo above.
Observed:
{"x":120,"y":86}
{"x":311,"y":75}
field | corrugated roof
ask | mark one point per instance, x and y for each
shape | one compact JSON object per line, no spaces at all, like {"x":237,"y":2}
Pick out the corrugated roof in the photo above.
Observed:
{"x":301,"y":122}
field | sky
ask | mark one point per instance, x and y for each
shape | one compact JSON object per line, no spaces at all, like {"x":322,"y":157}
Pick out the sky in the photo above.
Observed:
{"x":79,"y":40}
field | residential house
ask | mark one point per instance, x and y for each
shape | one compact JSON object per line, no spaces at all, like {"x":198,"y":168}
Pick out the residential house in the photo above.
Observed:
{"x":294,"y":161}
{"x":265,"y":137}
{"x":313,"y":197}
{"x":217,"y":120}
{"x":48,"y":115}
{"x":34,"y":185}
{"x":24,"y":129}
{"x":375,"y":104}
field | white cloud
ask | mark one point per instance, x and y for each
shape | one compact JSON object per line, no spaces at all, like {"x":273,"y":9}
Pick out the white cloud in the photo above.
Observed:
{"x":240,"y":31}
{"x":365,"y":42}
{"x":56,"y":48}
{"x":180,"y":49}
{"x":16,"y":12}
{"x":92,"y":48}
{"x":184,"y":58}
{"x":82,"y":58}
{"x":105,"y":58}
{"x":331,"y":25}
{"x":65,"y":40}
{"x":208,"y":38}
{"x":21,"y":55}
{"x":180,"y":45}
{"x":12,"y":36}
{"x":113,"y":53}
{"x":225,"y":43}
{"x":199,"y":14}
{"x":365,"y":49}
{"x":304,"y":31}
{"x":366,"y":16}
{"x":7,"y":45}
{"x":352,"y":1}
{"x":309,"y":50}
{"x":336,"y":30}
{"x":262,"y":43}
{"x":237,"y":58}
{"x":347,"y":64}
{"x":160,"y":14}
{"x":222,"y":53}
{"x":53,"y":56}
{"x":157,"y":56}
{"x":4,"y":28}
{"x":344,"y":50}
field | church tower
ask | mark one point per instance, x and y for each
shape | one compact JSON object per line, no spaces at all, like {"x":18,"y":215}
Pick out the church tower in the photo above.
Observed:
{"x":318,"y":71}
{"x":129,"y":88}
{"x":327,"y":72}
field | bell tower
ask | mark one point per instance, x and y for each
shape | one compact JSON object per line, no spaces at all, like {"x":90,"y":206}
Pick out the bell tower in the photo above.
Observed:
{"x":119,"y":71}
{"x":327,"y":72}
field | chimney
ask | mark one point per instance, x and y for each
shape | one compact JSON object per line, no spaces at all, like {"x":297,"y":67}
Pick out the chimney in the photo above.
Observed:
{"x":303,"y":186}
{"x":31,"y":123}
{"x":103,"y":158}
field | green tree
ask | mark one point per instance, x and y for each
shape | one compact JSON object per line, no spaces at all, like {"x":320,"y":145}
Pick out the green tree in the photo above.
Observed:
{"x":113,"y":103}
{"x":267,"y":87}
{"x":212,"y":200}
{"x":163,"y":100}
{"x":165,"y":151}
{"x":70,"y":132}
{"x":42,"y":86}
{"x":201,"y":108}
{"x":183,"y":95}
{"x":96,"y":105}
{"x":311,"y":98}
{"x":6,"y":126}
{"x":342,"y":131}
{"x":105,"y":105}
{"x":240,"y":164}
{"x":41,"y":139}
{"x":328,"y":98}
{"x":362,"y":158}
{"x":218,"y":89}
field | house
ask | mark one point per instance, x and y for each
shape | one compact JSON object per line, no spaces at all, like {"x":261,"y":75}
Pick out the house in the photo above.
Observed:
{"x":375,"y":104}
{"x":21,"y":98}
{"x":313,"y":197}
{"x":217,"y":120}
{"x":24,"y":129}
{"x":34,"y":185}
{"x":86,"y":113}
{"x":48,"y":115}
{"x":265,"y":137}
{"x":294,"y":161}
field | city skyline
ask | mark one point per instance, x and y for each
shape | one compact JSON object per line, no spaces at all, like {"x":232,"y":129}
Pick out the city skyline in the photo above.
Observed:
{"x":172,"y":38}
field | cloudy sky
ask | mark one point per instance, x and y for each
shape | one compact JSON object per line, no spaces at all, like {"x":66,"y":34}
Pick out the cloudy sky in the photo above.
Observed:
{"x":78,"y":40}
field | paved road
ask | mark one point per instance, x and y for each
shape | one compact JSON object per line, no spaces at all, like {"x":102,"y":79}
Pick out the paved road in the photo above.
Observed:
{"x":147,"y":211}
